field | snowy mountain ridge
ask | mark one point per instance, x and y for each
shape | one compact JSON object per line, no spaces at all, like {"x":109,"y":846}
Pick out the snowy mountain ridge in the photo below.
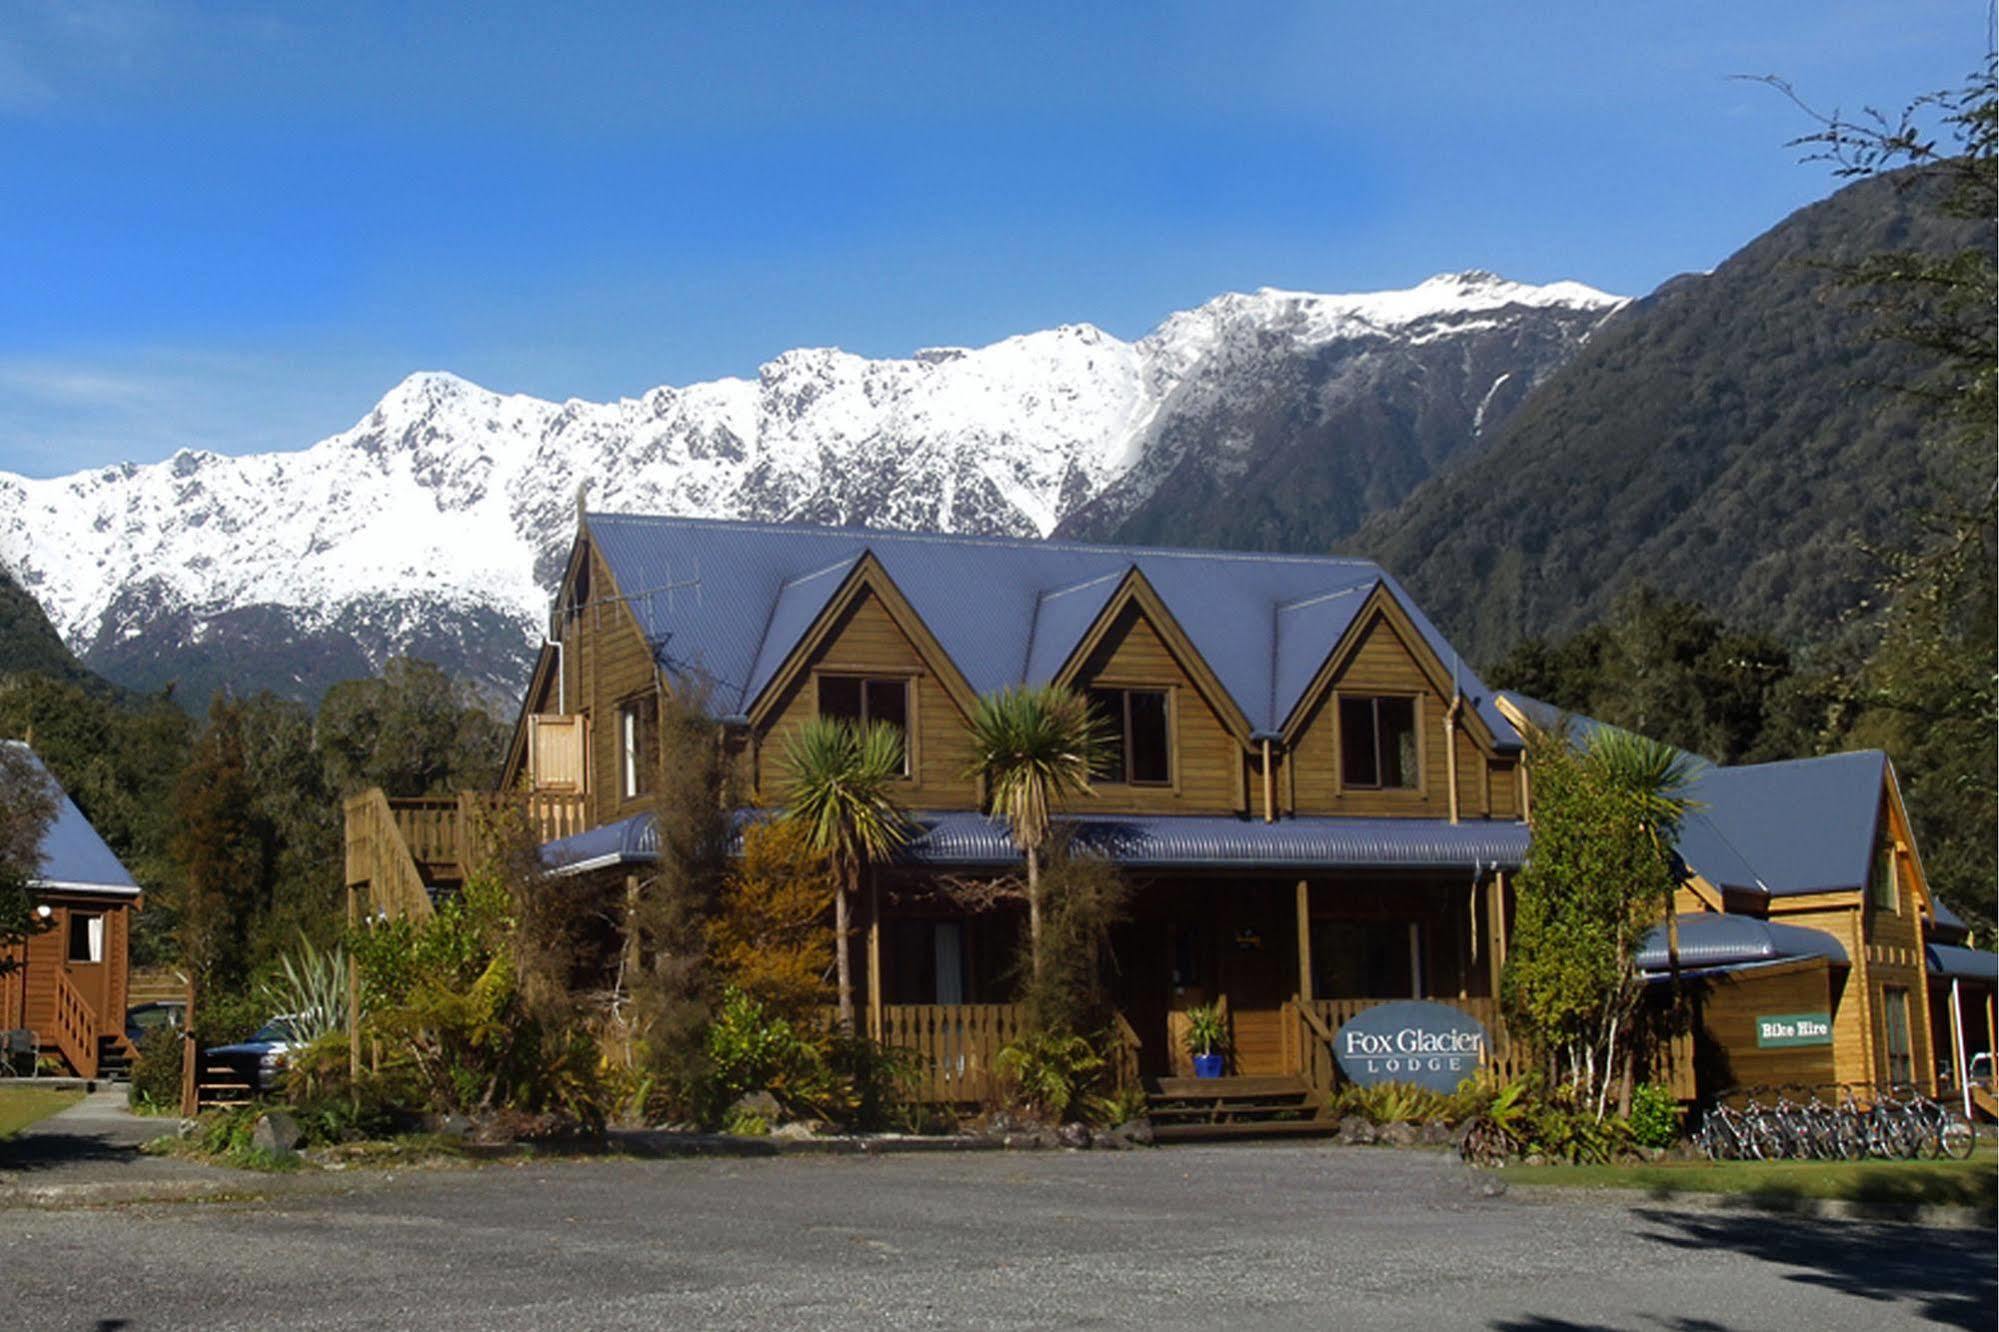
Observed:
{"x":436,"y":524}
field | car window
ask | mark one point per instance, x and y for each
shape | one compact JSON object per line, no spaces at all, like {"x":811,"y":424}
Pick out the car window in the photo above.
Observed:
{"x":277,"y":1029}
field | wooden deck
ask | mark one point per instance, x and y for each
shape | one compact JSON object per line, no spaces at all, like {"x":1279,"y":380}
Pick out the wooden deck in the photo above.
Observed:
{"x":403,"y":850}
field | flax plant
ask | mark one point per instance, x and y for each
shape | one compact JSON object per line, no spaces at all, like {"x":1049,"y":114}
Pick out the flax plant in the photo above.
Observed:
{"x":1033,"y":746}
{"x":840,"y":791}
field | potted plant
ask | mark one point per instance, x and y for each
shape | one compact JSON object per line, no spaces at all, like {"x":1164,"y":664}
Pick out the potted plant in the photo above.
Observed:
{"x":1207,"y":1039}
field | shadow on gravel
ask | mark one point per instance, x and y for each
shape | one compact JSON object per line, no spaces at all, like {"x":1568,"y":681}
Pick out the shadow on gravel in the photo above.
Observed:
{"x":1948,"y":1274}
{"x":52,"y":1149}
{"x":1533,"y":1324}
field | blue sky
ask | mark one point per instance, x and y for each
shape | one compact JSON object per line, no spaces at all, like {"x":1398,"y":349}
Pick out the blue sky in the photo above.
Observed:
{"x":234,"y":226}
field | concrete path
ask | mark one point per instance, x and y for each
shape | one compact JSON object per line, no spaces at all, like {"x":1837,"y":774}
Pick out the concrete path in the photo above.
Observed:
{"x":90,"y":1153}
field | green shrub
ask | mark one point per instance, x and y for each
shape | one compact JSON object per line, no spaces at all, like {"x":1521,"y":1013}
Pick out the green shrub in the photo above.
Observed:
{"x":1392,"y":1103}
{"x":155,"y":1085}
{"x":1047,"y":1072}
{"x":1655,"y":1116}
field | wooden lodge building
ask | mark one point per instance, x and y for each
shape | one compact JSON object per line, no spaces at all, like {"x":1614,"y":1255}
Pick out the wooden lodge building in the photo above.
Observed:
{"x":66,"y":985}
{"x":1321,"y":807}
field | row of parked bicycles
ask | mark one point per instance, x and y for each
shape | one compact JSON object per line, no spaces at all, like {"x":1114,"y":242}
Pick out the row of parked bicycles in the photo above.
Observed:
{"x":1833,"y":1122}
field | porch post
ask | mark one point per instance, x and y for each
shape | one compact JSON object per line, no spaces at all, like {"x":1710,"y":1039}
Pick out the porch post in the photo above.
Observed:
{"x":1496,"y":915}
{"x":1305,"y":940}
{"x":874,"y":956}
{"x":1957,"y":1061}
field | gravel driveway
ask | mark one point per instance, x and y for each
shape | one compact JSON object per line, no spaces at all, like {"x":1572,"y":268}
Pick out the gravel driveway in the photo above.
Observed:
{"x":1242,"y":1236}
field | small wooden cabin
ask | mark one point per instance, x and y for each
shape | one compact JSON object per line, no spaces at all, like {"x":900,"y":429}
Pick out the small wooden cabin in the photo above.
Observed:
{"x":1807,"y":929}
{"x":67,"y":984}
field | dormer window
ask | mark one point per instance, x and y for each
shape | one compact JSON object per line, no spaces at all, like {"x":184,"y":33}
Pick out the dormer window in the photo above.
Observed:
{"x":1881,"y":885}
{"x":1138,"y":747}
{"x":1378,"y":743}
{"x":863,"y":699}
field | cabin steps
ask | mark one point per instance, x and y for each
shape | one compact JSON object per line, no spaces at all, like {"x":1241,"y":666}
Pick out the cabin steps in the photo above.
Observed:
{"x":114,"y":1059}
{"x":1210,"y":1109}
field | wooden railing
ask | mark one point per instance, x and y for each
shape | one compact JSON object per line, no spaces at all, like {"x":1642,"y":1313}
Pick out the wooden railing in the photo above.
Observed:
{"x":1124,"y":1052}
{"x":1310,"y":1027}
{"x":957,"y":1046}
{"x":74,"y":1027}
{"x":380,"y":857}
{"x":398,"y":845}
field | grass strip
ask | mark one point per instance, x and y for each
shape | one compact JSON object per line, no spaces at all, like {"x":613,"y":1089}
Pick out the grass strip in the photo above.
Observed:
{"x":22,"y":1106}
{"x":1972,"y":1183}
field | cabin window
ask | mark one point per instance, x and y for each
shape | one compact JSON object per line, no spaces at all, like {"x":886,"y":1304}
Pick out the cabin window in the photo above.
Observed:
{"x":86,"y":937}
{"x":1138,"y":747}
{"x":628,"y":750}
{"x":864,"y":699}
{"x":1378,"y":743}
{"x":1881,"y":887}
{"x":1895,"y":1030}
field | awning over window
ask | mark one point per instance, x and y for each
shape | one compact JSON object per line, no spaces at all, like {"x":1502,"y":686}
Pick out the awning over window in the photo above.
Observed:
{"x":970,"y":840}
{"x":1709,"y":940}
{"x":1950,"y":962}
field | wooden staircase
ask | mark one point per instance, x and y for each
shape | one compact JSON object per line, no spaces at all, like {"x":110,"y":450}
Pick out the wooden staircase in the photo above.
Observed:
{"x":1210,"y":1109}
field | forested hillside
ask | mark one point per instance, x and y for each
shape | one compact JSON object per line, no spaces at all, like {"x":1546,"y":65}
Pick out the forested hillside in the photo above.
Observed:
{"x":1736,"y":438}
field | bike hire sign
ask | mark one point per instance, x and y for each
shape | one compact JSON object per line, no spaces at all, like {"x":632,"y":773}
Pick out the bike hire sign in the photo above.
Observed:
{"x":1782,"y":1030}
{"x":1431,"y":1045}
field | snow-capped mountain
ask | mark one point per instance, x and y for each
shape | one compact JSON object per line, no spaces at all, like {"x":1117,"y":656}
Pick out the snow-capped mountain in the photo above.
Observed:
{"x":437,"y":523}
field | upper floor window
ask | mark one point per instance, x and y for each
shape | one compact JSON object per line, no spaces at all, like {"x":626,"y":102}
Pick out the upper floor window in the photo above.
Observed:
{"x":1378,"y":742}
{"x":1881,"y":886}
{"x":864,"y":699}
{"x":636,"y":754}
{"x":86,"y":936}
{"x":1137,"y":745}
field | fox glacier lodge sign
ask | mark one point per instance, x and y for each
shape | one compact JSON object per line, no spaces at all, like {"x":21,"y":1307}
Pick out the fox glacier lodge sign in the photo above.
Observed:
{"x":1432,"y":1045}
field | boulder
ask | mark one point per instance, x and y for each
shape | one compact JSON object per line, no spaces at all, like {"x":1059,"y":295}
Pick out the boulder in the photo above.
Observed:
{"x":1398,"y":1135}
{"x":450,"y":1125}
{"x":1436,"y":1133}
{"x":761,"y":1104}
{"x":1073,"y":1136}
{"x":1138,"y":1132}
{"x":1110,"y":1140}
{"x":1356,"y":1131}
{"x":797,"y":1131}
{"x":275,"y":1134}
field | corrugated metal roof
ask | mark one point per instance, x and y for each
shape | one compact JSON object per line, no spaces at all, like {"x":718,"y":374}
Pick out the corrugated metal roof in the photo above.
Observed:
{"x":1799,"y":826}
{"x":1160,"y":842}
{"x":1715,"y":940}
{"x":1953,"y":963}
{"x":630,"y":841}
{"x":712,"y":598}
{"x":1210,"y":842}
{"x":74,"y":857}
{"x":1803,"y":826}
{"x":1948,"y":922}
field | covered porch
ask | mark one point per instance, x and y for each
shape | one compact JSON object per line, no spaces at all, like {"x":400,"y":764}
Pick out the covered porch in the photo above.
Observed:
{"x":1291,"y":929}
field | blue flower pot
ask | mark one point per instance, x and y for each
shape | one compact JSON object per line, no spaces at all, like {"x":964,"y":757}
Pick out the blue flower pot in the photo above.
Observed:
{"x":1207,"y":1066}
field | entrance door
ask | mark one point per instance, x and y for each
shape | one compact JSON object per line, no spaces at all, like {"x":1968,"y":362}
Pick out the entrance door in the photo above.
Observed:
{"x":1251,"y":973}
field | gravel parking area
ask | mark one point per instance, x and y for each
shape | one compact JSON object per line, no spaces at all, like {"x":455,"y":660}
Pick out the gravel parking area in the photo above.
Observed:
{"x":1245,"y":1236}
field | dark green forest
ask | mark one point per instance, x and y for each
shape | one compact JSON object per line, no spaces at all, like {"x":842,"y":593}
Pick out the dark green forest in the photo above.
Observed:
{"x":231,"y":822}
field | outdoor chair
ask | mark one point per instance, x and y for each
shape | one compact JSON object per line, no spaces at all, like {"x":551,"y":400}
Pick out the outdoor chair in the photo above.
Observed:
{"x":15,"y":1046}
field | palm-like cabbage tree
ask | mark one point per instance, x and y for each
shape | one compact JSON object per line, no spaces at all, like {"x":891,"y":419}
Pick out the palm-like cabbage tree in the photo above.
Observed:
{"x":840,"y":790}
{"x":1659,"y":776}
{"x":1033,"y":745}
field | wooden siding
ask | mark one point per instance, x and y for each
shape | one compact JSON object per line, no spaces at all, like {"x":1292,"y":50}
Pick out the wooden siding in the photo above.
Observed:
{"x":1380,"y":663}
{"x":866,"y":640}
{"x":28,"y":993}
{"x":605,"y":663}
{"x":1207,"y":759}
{"x":1726,"y":1053}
